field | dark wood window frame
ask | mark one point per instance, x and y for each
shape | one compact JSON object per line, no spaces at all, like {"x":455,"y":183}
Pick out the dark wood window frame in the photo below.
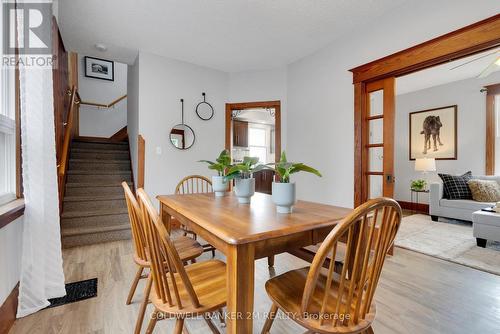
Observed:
{"x":472,"y":39}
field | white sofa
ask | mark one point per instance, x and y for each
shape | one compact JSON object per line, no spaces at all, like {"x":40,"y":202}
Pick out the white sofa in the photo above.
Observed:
{"x":455,"y":209}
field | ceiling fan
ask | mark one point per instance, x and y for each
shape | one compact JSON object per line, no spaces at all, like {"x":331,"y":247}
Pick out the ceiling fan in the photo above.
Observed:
{"x":492,"y":67}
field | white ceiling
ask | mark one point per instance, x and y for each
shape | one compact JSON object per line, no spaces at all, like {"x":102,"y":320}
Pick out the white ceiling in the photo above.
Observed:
{"x":449,"y":72}
{"x":229,"y":35}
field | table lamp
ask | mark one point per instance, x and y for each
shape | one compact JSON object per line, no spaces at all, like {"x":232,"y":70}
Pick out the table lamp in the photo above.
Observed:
{"x":425,"y":165}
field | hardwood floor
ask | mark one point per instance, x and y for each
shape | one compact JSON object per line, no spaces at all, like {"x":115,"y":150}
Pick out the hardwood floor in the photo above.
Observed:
{"x":417,"y":294}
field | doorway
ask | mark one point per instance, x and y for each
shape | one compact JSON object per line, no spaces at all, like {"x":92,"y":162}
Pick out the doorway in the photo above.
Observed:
{"x":254,"y":129}
{"x":470,"y":40}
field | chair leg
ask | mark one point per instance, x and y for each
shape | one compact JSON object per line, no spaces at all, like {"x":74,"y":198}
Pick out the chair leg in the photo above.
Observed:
{"x":134,"y":285}
{"x":179,"y":325}
{"x":152,"y":322}
{"x":221,"y":317}
{"x":211,"y":325}
{"x":142,"y":310}
{"x":270,"y":319}
{"x":193,"y":261}
{"x":270,"y":261}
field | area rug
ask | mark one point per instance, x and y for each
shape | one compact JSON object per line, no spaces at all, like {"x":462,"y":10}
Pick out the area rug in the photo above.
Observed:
{"x":449,"y":240}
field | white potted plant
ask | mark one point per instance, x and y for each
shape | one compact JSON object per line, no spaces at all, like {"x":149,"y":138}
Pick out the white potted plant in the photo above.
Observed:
{"x":284,"y":191}
{"x":242,"y":173}
{"x":219,"y":183}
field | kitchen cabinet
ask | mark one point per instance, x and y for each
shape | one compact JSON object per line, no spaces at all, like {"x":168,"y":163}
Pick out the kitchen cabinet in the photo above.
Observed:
{"x":264,"y":181}
{"x":240,"y":133}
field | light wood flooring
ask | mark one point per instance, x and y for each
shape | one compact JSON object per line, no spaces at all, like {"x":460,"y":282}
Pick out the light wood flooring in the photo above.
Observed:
{"x":417,"y":294}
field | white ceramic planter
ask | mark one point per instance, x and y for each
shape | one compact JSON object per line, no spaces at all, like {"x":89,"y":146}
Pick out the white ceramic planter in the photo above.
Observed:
{"x":284,"y":196}
{"x":244,"y":189}
{"x":219,"y":186}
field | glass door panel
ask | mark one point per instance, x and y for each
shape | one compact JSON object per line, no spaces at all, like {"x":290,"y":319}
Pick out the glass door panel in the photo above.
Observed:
{"x":378,"y":140}
{"x":376,"y":103}
{"x":375,"y":183}
{"x":376,"y":159}
{"x":376,"y":131}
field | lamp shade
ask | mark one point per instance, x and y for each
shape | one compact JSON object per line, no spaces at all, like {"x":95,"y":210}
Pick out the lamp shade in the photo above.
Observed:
{"x":425,"y":165}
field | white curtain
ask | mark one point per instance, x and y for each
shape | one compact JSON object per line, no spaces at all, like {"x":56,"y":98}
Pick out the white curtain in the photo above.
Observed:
{"x":42,"y":275}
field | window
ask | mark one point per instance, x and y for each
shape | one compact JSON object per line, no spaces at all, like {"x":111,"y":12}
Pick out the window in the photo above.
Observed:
{"x":7,"y":134}
{"x":257,"y":143}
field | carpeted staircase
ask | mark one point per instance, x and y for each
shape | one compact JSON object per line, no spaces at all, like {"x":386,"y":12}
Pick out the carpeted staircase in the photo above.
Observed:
{"x":94,"y":208}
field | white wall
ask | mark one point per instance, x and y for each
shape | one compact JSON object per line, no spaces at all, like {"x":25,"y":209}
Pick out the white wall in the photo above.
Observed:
{"x":133,"y":112}
{"x":96,"y":122}
{"x":320,"y":92}
{"x":10,"y":257}
{"x":162,"y":83}
{"x":269,"y":85}
{"x":471,"y":119}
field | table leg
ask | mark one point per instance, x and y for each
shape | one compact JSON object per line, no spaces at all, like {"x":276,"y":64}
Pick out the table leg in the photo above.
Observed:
{"x":165,"y":218}
{"x":240,"y":288}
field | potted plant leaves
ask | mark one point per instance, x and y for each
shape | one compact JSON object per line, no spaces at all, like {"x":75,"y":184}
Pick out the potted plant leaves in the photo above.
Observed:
{"x":242,"y":173}
{"x":284,"y":195}
{"x":222,"y":165}
{"x":418,"y":185}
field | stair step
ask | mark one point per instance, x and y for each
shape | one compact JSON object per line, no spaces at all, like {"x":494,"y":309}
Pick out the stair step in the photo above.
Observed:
{"x":102,"y":184}
{"x":96,"y":165}
{"x":94,"y":190}
{"x":98,"y":172}
{"x":76,"y":144}
{"x":95,"y":221}
{"x":93,"y":229}
{"x":92,"y":204}
{"x":100,"y":197}
{"x":99,"y":150}
{"x":96,"y":179}
{"x":95,"y":238}
{"x":100,"y":155}
{"x":94,"y":213}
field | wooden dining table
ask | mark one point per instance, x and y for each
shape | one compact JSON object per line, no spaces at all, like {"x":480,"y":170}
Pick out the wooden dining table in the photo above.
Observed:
{"x":245,"y":233}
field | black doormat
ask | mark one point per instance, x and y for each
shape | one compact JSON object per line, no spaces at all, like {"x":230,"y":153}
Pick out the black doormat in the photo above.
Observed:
{"x":75,"y":292}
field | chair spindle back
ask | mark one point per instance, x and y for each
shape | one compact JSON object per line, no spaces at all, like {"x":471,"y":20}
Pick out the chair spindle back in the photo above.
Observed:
{"x":167,"y":268}
{"x":370,"y":231}
{"x":137,"y":227}
{"x":194,"y":184}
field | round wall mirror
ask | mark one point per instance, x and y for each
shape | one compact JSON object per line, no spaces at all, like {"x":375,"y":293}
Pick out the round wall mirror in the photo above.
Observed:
{"x":182,"y":136}
{"x":204,"y":109}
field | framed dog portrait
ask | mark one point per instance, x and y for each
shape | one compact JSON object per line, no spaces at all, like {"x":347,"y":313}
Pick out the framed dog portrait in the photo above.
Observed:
{"x":433,"y":133}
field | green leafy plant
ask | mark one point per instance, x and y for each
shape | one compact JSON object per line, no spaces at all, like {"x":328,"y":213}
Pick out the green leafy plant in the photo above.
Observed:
{"x":222,"y":164}
{"x":418,"y":185}
{"x":284,"y":169}
{"x":245,"y":169}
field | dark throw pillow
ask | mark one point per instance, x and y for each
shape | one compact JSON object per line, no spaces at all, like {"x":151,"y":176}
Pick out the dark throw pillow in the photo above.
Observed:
{"x":455,"y":186}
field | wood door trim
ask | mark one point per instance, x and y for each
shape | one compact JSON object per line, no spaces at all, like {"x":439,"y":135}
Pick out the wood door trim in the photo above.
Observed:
{"x":491,"y":90}
{"x":474,"y":38}
{"x":466,"y":41}
{"x":141,"y":157}
{"x":251,"y":105}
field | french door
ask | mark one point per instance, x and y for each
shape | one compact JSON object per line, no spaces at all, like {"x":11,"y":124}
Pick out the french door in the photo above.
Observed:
{"x":377,"y":133}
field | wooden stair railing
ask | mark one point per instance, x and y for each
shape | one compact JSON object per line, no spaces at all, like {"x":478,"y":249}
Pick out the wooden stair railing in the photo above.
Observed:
{"x":62,"y":166}
{"x":101,"y":105}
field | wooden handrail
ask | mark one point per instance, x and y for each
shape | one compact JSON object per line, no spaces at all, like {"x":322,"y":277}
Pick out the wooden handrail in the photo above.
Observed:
{"x":67,"y":134}
{"x":100,"y":105}
{"x":62,"y":165}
